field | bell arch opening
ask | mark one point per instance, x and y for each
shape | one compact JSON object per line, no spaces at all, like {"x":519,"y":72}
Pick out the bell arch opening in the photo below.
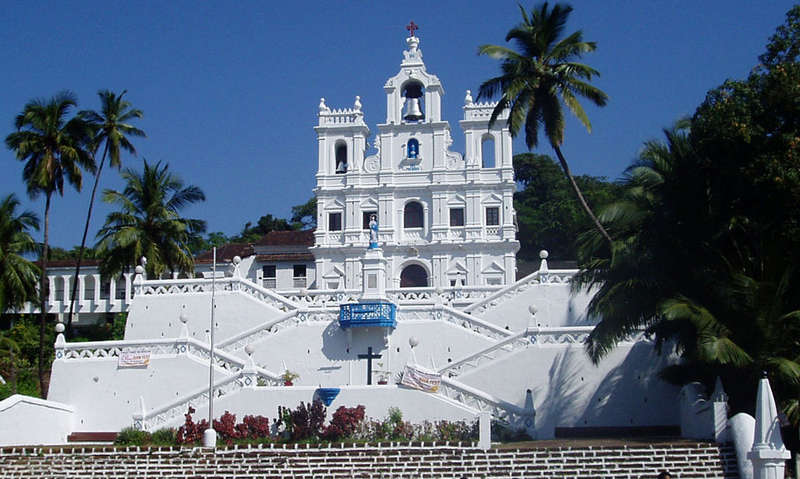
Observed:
{"x":341,"y":157}
{"x":414,"y":93}
{"x":414,"y":276}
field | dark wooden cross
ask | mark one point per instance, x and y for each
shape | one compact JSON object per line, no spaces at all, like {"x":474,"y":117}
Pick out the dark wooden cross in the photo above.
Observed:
{"x":369,"y":357}
{"x":412,"y":27}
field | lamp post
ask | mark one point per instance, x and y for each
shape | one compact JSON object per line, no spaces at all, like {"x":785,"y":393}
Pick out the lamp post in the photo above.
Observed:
{"x":210,"y":435}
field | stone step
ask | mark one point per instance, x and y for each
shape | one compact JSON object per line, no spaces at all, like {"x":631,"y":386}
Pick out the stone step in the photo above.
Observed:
{"x":95,"y":437}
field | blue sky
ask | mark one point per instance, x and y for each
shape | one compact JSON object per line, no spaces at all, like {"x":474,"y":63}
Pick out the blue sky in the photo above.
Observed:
{"x":230,"y":89}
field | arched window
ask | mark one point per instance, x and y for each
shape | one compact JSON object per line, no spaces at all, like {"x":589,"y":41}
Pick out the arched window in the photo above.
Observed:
{"x":414,"y":94}
{"x":341,"y":158}
{"x":413,"y":215}
{"x":413,"y":148}
{"x":487,"y":152}
{"x":414,"y":276}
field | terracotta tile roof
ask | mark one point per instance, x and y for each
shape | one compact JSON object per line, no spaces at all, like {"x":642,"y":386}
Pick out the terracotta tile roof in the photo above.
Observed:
{"x":287,"y":238}
{"x":63,"y":263}
{"x":267,"y":258}
{"x":225,"y":253}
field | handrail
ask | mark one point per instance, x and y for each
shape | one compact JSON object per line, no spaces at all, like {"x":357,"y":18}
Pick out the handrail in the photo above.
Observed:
{"x":257,"y":328}
{"x":554,"y":276}
{"x":511,"y":340}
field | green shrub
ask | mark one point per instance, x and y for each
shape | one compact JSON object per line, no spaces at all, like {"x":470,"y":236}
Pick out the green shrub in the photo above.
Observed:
{"x":132,"y":437}
{"x":164,"y":437}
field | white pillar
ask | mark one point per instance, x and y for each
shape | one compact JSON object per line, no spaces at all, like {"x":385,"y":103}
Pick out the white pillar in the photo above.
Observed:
{"x":768,"y":453}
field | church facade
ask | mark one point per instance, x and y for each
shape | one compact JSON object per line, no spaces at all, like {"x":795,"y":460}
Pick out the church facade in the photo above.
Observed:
{"x":445,"y":219}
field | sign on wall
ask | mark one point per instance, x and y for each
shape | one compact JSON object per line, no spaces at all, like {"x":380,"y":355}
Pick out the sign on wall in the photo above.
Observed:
{"x":134,"y":358}
{"x":422,"y":379}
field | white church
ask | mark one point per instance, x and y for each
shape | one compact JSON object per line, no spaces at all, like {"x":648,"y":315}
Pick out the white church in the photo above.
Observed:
{"x":412,"y":274}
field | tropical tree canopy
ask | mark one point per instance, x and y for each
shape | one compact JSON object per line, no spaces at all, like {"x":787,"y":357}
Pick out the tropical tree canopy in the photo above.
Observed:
{"x":548,"y":215}
{"x":707,"y":238}
{"x":53,"y":147}
{"x":540,"y":76}
{"x":18,"y":276}
{"x":148,"y":223}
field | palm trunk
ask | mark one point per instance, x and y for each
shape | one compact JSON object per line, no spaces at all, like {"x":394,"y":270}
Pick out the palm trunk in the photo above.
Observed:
{"x":582,"y":200}
{"x":83,"y":245}
{"x":43,"y":296}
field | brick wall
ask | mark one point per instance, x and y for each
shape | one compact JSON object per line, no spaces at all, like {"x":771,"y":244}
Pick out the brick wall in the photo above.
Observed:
{"x":392,"y":460}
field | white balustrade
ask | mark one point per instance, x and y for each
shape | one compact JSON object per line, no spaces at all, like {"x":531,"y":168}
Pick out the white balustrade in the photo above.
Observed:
{"x":562,"y":276}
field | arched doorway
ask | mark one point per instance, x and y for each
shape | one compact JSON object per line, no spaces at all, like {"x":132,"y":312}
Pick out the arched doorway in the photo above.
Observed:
{"x":414,"y":276}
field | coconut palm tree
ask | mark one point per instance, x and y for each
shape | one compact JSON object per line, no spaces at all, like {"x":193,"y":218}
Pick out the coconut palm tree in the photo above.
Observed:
{"x":54,"y":150}
{"x":539,"y":77}
{"x":112,"y":131}
{"x":18,"y":276}
{"x":148,"y":222}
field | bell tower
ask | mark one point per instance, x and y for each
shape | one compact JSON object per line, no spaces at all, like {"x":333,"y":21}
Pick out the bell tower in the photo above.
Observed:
{"x":446,"y":219}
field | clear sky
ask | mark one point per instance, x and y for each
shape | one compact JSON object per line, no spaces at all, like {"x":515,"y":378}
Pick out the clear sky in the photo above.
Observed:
{"x":230,"y":89}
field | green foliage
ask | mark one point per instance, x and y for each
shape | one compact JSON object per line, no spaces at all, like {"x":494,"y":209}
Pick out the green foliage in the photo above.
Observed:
{"x":305,"y":216}
{"x":130,"y":436}
{"x":252,"y":233}
{"x":548,"y":214}
{"x":148,"y":223}
{"x":163,"y":437}
{"x":19,"y":349}
{"x":18,"y":276}
{"x":118,"y":326}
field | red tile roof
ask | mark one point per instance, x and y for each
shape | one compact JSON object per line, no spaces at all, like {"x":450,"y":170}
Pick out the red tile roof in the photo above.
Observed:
{"x":287,"y":238}
{"x":225,"y":253}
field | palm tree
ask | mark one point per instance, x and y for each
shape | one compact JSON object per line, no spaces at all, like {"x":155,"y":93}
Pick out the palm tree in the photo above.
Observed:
{"x":112,"y":126}
{"x":148,"y":222}
{"x":540,"y":76}
{"x":55,"y":150}
{"x":18,"y":276}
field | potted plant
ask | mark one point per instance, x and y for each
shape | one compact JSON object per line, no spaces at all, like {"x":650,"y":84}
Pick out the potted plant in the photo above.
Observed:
{"x":288,"y":377}
{"x":383,"y":376}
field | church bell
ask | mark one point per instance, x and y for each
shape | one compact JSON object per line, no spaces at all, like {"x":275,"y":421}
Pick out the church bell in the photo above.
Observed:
{"x":413,"y":112}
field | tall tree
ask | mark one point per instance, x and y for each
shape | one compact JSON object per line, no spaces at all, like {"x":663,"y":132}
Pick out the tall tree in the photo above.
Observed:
{"x":304,"y":216}
{"x":111,"y":130}
{"x":540,"y":76}
{"x":18,"y":276}
{"x":54,"y":149}
{"x":148,"y":222}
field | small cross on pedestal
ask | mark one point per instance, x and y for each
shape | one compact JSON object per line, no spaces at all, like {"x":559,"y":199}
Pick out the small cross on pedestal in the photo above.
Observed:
{"x":412,"y":27}
{"x":369,"y":357}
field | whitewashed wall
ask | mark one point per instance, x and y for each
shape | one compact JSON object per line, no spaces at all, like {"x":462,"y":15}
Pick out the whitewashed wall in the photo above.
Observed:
{"x":569,"y":391}
{"x":153,"y":317}
{"x":29,"y":420}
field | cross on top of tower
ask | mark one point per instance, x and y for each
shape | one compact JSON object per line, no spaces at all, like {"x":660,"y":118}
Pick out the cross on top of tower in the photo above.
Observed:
{"x":412,"y":27}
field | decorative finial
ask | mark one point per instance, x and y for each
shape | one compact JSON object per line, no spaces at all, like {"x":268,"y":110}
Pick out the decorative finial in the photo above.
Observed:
{"x":412,"y":27}
{"x":357,"y":104}
{"x":237,"y":259}
{"x":468,"y":98}
{"x":322,"y":105}
{"x":143,"y":261}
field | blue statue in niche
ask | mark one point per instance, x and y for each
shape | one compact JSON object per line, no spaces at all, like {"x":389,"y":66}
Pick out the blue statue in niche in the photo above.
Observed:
{"x":373,"y":232}
{"x":413,"y":148}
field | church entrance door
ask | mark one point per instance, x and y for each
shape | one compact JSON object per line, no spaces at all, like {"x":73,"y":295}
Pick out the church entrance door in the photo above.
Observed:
{"x":414,"y":276}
